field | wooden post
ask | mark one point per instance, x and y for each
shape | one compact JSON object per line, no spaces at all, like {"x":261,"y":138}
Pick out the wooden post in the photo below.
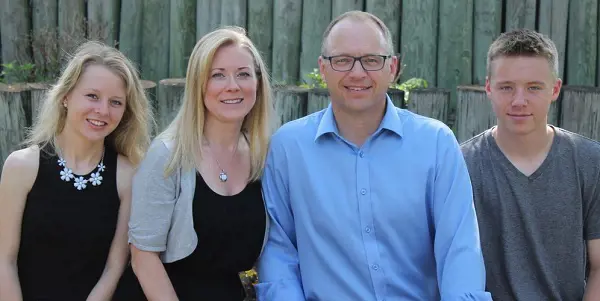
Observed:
{"x":398,"y":97}
{"x":553,"y":21}
{"x":316,"y":15}
{"x":287,"y":18}
{"x":389,"y":12}
{"x":208,"y":17}
{"x":520,"y":14}
{"x":170,"y":96}
{"x":103,"y":21}
{"x":15,"y":33}
{"x":39,"y":93}
{"x":430,"y":103}
{"x":474,"y":112}
{"x":260,"y":27}
{"x":419,"y":39}
{"x":339,"y":7}
{"x":130,"y":32}
{"x":580,"y":112}
{"x":234,"y":12}
{"x":155,"y":37}
{"x":71,"y":26}
{"x":582,"y":46}
{"x":318,"y":99}
{"x":182,"y":36}
{"x":487,"y":25}
{"x":44,"y":40}
{"x":290,"y":102}
{"x":14,"y":118}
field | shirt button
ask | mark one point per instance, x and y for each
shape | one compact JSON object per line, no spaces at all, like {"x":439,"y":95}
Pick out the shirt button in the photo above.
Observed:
{"x":361,"y":154}
{"x":375,"y":267}
{"x":368,"y":230}
{"x":363,"y":191}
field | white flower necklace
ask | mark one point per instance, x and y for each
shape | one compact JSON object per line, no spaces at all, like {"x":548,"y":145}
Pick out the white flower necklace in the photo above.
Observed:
{"x":80,"y":182}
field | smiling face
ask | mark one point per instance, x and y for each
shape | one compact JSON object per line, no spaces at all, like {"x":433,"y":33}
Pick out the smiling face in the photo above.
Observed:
{"x":357,"y":90}
{"x":95,"y":106}
{"x":521,"y":89}
{"x":232,"y":84}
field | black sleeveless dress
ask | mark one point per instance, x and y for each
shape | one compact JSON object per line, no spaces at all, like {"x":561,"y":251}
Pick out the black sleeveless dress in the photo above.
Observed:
{"x":230,"y":233}
{"x":66,"y":233}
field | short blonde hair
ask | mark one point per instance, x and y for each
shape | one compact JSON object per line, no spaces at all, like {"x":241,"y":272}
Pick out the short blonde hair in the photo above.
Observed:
{"x":131,"y":137}
{"x":187,"y":128}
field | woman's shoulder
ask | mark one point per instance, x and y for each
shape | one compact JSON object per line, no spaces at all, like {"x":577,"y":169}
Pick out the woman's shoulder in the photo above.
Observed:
{"x":21,"y":166}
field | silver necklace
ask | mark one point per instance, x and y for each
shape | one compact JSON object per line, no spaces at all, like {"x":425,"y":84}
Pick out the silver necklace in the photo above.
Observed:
{"x":80,"y":182}
{"x":223,"y":174}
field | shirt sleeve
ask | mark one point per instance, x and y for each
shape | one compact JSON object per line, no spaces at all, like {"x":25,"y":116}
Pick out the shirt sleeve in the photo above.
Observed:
{"x":592,"y":197}
{"x":278,"y":267}
{"x":153,"y":200}
{"x":460,"y":268}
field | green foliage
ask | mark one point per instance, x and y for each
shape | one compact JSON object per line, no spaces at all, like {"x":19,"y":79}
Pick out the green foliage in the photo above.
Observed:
{"x":14,"y":73}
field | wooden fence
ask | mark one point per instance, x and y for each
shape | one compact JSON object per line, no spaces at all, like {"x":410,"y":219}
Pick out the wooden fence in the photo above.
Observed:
{"x":577,"y":109}
{"x":442,"y":41}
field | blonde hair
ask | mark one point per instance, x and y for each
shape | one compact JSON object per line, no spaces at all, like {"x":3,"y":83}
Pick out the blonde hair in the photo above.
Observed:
{"x":132,"y":136}
{"x":187,"y":128}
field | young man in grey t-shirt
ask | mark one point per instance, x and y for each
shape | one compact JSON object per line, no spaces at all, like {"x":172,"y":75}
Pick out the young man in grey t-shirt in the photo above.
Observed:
{"x":536,"y":186}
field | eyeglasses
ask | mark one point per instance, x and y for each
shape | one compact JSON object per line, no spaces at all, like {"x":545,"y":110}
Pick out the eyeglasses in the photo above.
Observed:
{"x":370,"y":62}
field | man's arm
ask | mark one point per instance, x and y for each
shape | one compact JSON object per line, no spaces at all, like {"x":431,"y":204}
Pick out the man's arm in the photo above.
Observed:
{"x":460,"y":269}
{"x":592,"y":288}
{"x":278,"y":269}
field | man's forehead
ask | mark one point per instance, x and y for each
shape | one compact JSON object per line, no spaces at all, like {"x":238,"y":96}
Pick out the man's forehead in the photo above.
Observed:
{"x":351,"y":36}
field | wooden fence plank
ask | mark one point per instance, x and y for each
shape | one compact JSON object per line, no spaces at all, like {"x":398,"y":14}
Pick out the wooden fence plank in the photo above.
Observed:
{"x":155,"y":34}
{"x":103,"y":20}
{"x":234,"y":12}
{"x":44,"y":39}
{"x":318,"y":99}
{"x":316,"y":15}
{"x":520,"y":14}
{"x":38,"y":93}
{"x":14,"y":104}
{"x":389,"y":12}
{"x":419,"y":40}
{"x":487,"y":26}
{"x":71,"y":26}
{"x":431,"y":103}
{"x":553,"y":22}
{"x":182,"y":35}
{"x":260,"y":27}
{"x":208,"y":17}
{"x":170,"y":96}
{"x":339,"y":7}
{"x":583,"y":44}
{"x":290,"y":102}
{"x":455,"y":46}
{"x":15,"y":16}
{"x":130,"y":30}
{"x":474,"y":113}
{"x":580,"y":112}
{"x":287,"y":18}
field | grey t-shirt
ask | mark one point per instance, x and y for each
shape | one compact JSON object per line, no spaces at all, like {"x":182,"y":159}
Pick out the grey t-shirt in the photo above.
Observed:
{"x":534,"y":228}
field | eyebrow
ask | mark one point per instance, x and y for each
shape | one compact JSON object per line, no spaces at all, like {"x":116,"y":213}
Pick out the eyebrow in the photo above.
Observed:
{"x":532,"y":82}
{"x":114,"y":96}
{"x":223,"y":69}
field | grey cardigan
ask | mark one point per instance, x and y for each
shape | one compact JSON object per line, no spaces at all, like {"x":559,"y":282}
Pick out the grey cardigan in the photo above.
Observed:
{"x":161,"y":207}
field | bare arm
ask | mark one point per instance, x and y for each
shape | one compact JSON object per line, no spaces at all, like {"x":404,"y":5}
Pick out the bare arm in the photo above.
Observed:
{"x":18,"y":174}
{"x":592,"y":289}
{"x":119,"y":251}
{"x":152,"y":275}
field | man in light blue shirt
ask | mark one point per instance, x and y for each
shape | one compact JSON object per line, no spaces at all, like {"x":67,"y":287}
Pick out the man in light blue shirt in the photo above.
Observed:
{"x":367,"y":201}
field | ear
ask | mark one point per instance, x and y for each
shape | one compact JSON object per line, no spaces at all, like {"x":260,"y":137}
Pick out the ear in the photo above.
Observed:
{"x":488,"y":86}
{"x":322,"y":65}
{"x":394,"y":68}
{"x":556,"y":89}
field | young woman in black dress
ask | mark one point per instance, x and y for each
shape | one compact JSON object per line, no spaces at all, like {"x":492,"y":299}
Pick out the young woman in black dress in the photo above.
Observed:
{"x":198,"y":217}
{"x":65,"y":198}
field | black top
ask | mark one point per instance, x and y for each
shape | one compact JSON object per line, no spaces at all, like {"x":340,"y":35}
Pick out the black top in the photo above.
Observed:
{"x":66,"y":233}
{"x":230,"y":233}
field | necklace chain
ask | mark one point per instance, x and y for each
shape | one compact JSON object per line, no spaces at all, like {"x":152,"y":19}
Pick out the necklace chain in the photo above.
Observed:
{"x":66,"y":174}
{"x":223,"y":174}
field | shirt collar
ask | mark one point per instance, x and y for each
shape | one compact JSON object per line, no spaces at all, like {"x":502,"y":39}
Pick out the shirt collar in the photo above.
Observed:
{"x":391,"y":121}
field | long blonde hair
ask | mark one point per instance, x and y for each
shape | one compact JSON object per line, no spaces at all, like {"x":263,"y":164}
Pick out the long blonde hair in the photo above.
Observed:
{"x":132,"y":136}
{"x":187,"y":128}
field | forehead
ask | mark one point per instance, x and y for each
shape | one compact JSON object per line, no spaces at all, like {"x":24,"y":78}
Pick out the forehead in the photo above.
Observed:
{"x":521,"y":68}
{"x":101,"y":78}
{"x":232,"y":56}
{"x":356,"y":37}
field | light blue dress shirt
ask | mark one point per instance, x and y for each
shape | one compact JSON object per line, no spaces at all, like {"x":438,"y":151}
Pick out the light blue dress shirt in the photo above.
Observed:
{"x":392,"y":220}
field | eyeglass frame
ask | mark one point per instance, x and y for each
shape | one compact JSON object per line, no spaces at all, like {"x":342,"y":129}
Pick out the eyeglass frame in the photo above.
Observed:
{"x":356,"y":58}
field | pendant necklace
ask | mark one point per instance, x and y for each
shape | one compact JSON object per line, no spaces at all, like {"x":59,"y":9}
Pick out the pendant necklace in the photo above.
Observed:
{"x":223,"y":174}
{"x":66,"y":174}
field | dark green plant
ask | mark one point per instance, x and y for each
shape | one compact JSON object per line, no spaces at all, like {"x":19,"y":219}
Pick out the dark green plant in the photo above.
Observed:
{"x":17,"y":73}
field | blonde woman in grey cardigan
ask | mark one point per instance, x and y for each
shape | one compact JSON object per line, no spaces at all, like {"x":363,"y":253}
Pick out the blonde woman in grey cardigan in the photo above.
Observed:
{"x":198,"y":216}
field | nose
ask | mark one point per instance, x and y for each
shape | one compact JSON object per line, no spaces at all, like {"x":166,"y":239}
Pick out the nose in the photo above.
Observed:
{"x":357,"y":70}
{"x":102,"y":107}
{"x":232,"y":84}
{"x":519,"y":98}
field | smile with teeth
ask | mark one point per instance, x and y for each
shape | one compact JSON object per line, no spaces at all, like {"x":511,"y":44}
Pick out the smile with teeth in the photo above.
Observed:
{"x":357,"y":88}
{"x":232,"y":101}
{"x":96,"y":122}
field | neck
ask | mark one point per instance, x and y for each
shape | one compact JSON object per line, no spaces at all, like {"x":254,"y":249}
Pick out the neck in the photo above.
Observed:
{"x":77,"y":150}
{"x":356,"y":127}
{"x":525,"y":146}
{"x":221,"y":135}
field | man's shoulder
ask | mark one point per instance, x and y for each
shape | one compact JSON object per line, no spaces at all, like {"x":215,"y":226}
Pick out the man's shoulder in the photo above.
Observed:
{"x":586,"y":148}
{"x":423,"y":126}
{"x":298,"y":129}
{"x":473,"y":146}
